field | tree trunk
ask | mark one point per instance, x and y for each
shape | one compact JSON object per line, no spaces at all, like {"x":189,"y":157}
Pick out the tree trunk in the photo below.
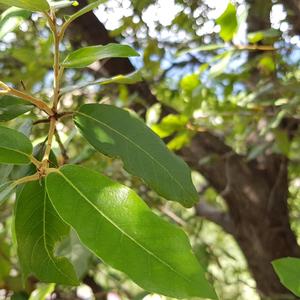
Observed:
{"x":255,"y":192}
{"x":256,"y":195}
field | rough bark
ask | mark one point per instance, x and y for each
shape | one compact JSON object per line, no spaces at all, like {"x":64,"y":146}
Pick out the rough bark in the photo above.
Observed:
{"x":255,"y":192}
{"x":256,"y":196}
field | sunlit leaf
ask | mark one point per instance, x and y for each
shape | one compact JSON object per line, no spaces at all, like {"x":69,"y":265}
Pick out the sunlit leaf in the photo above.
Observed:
{"x":116,"y":225}
{"x":33,"y":5}
{"x":131,"y":78}
{"x":85,"y":10}
{"x":42,"y":292}
{"x":228,"y":23}
{"x":258,"y":36}
{"x":170,"y":124}
{"x":219,"y":67}
{"x":11,"y":19}
{"x":85,"y":56}
{"x":288,"y":270}
{"x":62,"y":4}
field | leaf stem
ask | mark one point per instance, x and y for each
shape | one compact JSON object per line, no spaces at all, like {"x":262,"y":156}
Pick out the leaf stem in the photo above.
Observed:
{"x":34,"y":177}
{"x":51,"y":133}
{"x":35,"y":161}
{"x":4,"y":87}
{"x":37,"y":102}
{"x":58,"y":72}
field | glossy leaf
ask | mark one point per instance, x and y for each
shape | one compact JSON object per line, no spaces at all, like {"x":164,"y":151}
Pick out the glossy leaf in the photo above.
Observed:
{"x":85,"y":56}
{"x":115,"y":224}
{"x":131,"y":78}
{"x":117,"y":133}
{"x":169,"y":125}
{"x":38,"y":227}
{"x":42,"y":292}
{"x":33,"y":5}
{"x":15,"y":147}
{"x":11,"y":107}
{"x":228,"y":22}
{"x":123,"y":79}
{"x":288,"y":270}
{"x":62,"y":4}
{"x":85,"y":10}
{"x":11,"y":19}
{"x":258,"y":36}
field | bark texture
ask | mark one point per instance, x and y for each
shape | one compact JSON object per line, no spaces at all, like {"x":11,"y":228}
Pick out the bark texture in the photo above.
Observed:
{"x":255,"y":192}
{"x":256,"y":196}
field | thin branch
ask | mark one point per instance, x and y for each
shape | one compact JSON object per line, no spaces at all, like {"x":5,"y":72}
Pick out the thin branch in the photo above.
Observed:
{"x":37,"y":102}
{"x":255,"y":47}
{"x":51,"y":132}
{"x":30,"y":178}
{"x":41,"y":121}
{"x":215,"y":215}
{"x":173,"y":216}
{"x":35,"y":161}
{"x":62,"y":148}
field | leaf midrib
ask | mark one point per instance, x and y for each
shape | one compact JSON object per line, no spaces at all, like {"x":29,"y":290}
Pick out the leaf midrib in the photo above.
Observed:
{"x":45,"y":242}
{"x":133,"y":143}
{"x":15,"y":150}
{"x":120,"y":229}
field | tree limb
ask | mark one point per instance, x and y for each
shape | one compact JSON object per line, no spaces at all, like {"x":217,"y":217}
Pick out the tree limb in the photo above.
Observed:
{"x":215,"y":215}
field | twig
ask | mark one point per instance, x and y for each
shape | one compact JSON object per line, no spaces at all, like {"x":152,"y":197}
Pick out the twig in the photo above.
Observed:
{"x":30,"y":178}
{"x":37,"y":102}
{"x":51,"y":132}
{"x":255,"y":47}
{"x":172,"y":216}
{"x":62,"y":148}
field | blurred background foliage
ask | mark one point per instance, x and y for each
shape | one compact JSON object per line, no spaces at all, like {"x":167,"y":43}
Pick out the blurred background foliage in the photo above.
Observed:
{"x":227,"y":68}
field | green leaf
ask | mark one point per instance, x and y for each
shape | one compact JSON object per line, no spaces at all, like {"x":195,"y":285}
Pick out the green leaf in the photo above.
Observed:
{"x":62,"y":4}
{"x":15,"y":147}
{"x":258,"y":36}
{"x":33,"y":5}
{"x":131,"y":78}
{"x":169,"y":125}
{"x":117,"y":133}
{"x":85,"y":10}
{"x":288,"y":270}
{"x":189,"y":82}
{"x":115,"y":224}
{"x":85,"y":56}
{"x":219,"y":68}
{"x":42,"y":292}
{"x":38,"y":228}
{"x":203,"y":48}
{"x":181,"y":139}
{"x":12,"y":107}
{"x":11,"y":19}
{"x":228,"y":22}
